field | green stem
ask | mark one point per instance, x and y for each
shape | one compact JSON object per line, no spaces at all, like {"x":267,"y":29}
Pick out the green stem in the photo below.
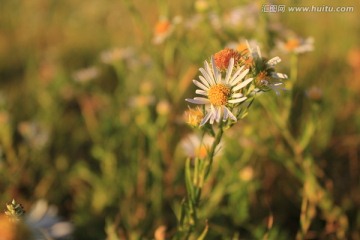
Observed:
{"x":213,"y":148}
{"x":293,"y":70}
{"x":200,"y":174}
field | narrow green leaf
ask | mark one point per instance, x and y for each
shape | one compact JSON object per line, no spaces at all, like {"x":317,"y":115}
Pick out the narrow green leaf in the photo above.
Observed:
{"x":204,"y":232}
{"x":307,"y":135}
{"x":188,"y":181}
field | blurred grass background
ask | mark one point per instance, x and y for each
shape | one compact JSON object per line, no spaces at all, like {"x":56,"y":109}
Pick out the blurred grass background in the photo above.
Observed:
{"x":91,"y":115}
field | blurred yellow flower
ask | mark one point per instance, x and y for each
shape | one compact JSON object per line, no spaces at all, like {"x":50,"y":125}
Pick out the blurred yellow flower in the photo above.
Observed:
{"x":193,"y":116}
{"x":163,"y":107}
{"x":246,"y":174}
{"x":201,"y":5}
{"x":160,"y":233}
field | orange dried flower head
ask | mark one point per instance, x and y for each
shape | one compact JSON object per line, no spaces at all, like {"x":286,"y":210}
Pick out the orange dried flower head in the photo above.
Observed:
{"x":261,"y":78}
{"x":222,"y":58}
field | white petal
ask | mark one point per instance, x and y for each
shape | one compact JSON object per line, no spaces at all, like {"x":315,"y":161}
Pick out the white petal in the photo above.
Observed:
{"x":218,"y":114}
{"x":243,"y":84}
{"x":236,"y":74}
{"x":209,"y":72}
{"x":258,"y":51}
{"x":236,"y":95}
{"x":272,"y":62}
{"x":201,"y":92}
{"x":216,"y":71}
{"x":212,"y":118}
{"x":240,"y":77}
{"x":198,"y":100}
{"x":231,"y":115}
{"x":200,"y":85}
{"x":205,"y":119}
{"x":279,"y":75}
{"x":237,"y":100}
{"x":226,"y":114}
{"x":204,"y":81}
{"x":213,"y":114}
{"x":229,"y":70}
{"x":202,"y":99}
{"x":207,"y":76}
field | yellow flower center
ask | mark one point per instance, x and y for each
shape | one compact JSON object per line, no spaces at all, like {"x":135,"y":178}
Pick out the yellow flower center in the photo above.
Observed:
{"x":291,"y":44}
{"x":218,"y":94}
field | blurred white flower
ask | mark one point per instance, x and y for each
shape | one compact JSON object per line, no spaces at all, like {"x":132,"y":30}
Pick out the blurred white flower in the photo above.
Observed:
{"x":243,"y":16}
{"x":116,"y":54}
{"x":215,"y":20}
{"x":86,"y":74}
{"x":45,"y":224}
{"x":36,"y":134}
{"x":196,"y":146}
{"x":296,"y":45}
{"x":164,"y":28}
{"x":193,"y":22}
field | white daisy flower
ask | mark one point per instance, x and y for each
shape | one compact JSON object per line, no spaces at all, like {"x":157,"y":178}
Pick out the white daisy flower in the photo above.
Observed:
{"x":266,"y":76}
{"x":220,"y":93}
{"x":297,"y":45}
{"x":269,"y":65}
